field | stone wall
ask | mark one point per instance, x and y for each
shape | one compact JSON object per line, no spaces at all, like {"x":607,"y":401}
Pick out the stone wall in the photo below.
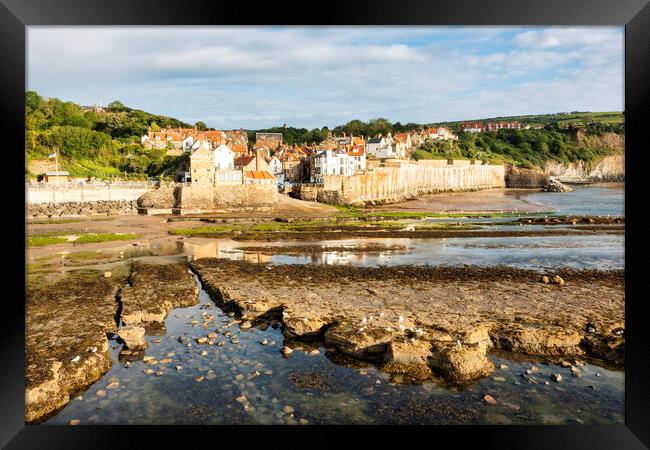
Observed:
{"x":66,"y":194}
{"x":102,"y":207}
{"x":404,"y":181}
{"x":228,"y":197}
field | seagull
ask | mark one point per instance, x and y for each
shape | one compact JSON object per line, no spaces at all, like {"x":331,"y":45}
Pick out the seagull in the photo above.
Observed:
{"x":76,"y":359}
{"x":458,"y":343}
{"x":401,"y":319}
{"x":364,"y":320}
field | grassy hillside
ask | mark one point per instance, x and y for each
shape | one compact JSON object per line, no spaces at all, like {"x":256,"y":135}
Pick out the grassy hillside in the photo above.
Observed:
{"x":101,"y":145}
{"x":583,"y":118}
{"x":528,"y":148}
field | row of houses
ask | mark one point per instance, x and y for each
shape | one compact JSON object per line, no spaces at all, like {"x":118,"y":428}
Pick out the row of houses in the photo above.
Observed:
{"x":481,"y":127}
{"x":223,"y":166}
{"x":179,"y":140}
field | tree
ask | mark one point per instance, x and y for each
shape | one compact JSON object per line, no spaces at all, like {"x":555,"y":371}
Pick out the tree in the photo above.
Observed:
{"x":154,"y":126}
{"x":116,"y":106}
{"x":201,"y":126}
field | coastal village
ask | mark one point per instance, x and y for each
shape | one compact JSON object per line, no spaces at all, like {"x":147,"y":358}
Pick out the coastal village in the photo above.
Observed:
{"x":235,"y":160}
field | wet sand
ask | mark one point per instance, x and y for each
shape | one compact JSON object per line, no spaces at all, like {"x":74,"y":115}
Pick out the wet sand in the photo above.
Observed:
{"x":488,"y":200}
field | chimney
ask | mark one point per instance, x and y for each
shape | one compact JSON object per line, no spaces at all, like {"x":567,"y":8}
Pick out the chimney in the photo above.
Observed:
{"x":258,"y":160}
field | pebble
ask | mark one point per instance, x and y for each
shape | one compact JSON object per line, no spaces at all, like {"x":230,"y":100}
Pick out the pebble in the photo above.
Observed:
{"x":558,"y":280}
{"x":498,"y":379}
{"x":212,"y":335}
{"x":264,"y":342}
{"x":75,"y":422}
{"x":199,"y":379}
{"x":148,"y":371}
{"x":160,"y":373}
{"x":101,"y":393}
{"x":204,"y":353}
{"x":556,"y":377}
{"x":113,"y":385}
{"x":314,"y":352}
{"x":545,"y":280}
{"x":286,"y":351}
{"x":288,"y":409}
{"x":242,"y":399}
{"x":179,"y":367}
{"x":303,"y":421}
{"x":107,"y":274}
{"x":503,"y":367}
{"x":489,"y":400}
{"x":565,"y":364}
{"x":245,"y":324}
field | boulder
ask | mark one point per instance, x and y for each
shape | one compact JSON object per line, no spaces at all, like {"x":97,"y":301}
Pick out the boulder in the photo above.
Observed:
{"x":408,"y":358}
{"x":133,"y":337}
{"x":556,"y":186}
{"x":459,"y":363}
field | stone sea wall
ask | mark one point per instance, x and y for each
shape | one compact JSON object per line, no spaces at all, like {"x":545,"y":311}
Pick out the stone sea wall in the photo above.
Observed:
{"x":403,"y":181}
{"x":68,"y":194}
{"x":253,"y":196}
{"x":102,"y":207}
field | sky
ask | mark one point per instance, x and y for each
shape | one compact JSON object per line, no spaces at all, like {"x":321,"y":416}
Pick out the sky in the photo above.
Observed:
{"x":259,"y":77}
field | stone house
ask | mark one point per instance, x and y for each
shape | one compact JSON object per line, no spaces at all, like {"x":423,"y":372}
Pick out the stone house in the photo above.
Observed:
{"x":270,"y":140}
{"x":202,"y":168}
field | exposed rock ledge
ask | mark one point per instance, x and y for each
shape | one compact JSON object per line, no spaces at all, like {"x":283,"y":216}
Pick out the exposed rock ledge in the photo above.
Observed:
{"x":155,"y":290}
{"x":67,"y":323}
{"x":66,"y":348}
{"x":416,"y":319}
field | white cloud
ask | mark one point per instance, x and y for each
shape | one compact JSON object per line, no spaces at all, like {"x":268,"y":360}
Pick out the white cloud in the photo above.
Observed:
{"x":311,"y":77}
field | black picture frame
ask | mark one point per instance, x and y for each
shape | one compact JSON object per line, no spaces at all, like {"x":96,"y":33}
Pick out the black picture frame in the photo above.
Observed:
{"x":16,"y":15}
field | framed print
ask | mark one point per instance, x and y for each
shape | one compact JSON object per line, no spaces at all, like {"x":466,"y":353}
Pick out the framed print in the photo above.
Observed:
{"x":382,"y":214}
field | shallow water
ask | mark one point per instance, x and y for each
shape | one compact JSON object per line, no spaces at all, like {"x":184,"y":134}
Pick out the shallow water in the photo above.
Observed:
{"x":591,"y":200}
{"x":322,"y":391}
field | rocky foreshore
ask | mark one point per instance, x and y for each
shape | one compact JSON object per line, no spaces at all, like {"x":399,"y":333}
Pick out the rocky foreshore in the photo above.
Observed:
{"x":66,"y":338}
{"x":102,"y":207}
{"x":154,"y":290}
{"x":417,"y":320}
{"x":69,"y":322}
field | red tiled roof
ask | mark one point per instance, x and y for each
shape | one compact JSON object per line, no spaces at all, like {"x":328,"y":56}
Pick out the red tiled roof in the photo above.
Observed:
{"x":243,"y":161}
{"x":355,"y":151}
{"x":238,"y":148}
{"x":258,"y":174}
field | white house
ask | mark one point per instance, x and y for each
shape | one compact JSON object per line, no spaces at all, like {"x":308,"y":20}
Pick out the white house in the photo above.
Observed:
{"x":381,"y":147}
{"x":224,"y":158}
{"x":358,"y":156}
{"x":275,"y":165}
{"x":332,"y":162}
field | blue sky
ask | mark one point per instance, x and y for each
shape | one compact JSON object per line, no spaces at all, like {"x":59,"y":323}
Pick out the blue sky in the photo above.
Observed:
{"x":258,"y":77}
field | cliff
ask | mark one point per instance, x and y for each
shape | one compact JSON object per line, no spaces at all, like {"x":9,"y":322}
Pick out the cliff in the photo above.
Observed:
{"x":610,"y":168}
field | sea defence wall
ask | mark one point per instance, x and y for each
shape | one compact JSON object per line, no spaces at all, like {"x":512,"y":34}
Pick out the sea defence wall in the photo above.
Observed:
{"x":66,"y":209}
{"x":74,"y":193}
{"x":227,"y":197}
{"x":400,"y":181}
